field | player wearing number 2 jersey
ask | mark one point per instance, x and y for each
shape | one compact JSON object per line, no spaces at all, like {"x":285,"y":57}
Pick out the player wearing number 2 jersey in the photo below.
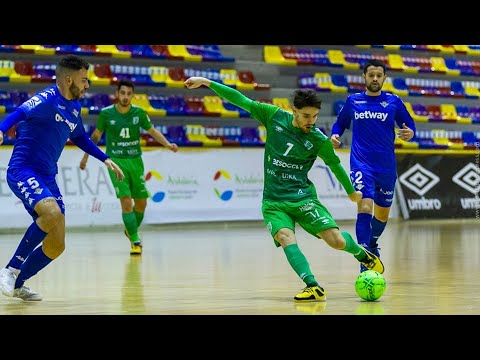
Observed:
{"x":372,"y":114}
{"x":289,"y":197}
{"x":122,"y":123}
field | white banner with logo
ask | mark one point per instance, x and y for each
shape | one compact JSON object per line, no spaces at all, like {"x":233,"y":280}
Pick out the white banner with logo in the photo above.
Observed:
{"x":192,"y":185}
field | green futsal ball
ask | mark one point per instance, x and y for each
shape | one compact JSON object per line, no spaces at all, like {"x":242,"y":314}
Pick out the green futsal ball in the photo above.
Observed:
{"x":370,"y":285}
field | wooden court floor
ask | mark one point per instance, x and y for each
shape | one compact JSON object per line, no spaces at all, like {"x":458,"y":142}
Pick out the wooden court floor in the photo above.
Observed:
{"x":432,"y":268}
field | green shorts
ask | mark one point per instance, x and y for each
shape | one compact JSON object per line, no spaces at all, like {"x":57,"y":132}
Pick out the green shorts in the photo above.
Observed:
{"x":134,"y":182}
{"x":309,"y":213}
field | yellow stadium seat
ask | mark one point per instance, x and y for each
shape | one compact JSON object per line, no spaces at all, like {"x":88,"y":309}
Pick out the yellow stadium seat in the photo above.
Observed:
{"x":273,"y":55}
{"x":405,"y":144}
{"x":455,"y":145}
{"x":214,"y":104}
{"x":441,"y":141}
{"x":196,"y":133}
{"x":6,"y":68}
{"x":182,"y":52}
{"x":438,"y":64}
{"x":24,"y":67}
{"x":141,"y":100}
{"x":39,"y":49}
{"x":471,"y":88}
{"x":229,"y":77}
{"x":396,"y":63}
{"x":461,"y":49}
{"x":324,"y":81}
{"x":158,"y":74}
{"x":282,"y":103}
{"x":112,"y":49}
{"x":417,"y":118}
{"x":337,"y":57}
{"x":449,"y":112}
{"x":391,"y":47}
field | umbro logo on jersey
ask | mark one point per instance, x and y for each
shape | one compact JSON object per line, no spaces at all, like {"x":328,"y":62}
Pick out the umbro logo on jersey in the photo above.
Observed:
{"x":384,"y":104}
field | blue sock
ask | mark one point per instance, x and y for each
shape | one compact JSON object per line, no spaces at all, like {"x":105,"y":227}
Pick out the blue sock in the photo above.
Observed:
{"x":363,"y":228}
{"x":32,"y":237}
{"x":377,"y":230}
{"x":34,"y":263}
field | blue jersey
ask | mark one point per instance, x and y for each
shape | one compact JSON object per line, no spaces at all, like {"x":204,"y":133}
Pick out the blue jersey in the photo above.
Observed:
{"x":373,"y":133}
{"x":50,"y":121}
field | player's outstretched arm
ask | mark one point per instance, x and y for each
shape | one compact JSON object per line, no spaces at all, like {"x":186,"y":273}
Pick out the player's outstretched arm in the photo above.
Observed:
{"x":10,"y":120}
{"x":95,"y":137}
{"x":115,"y":168}
{"x":331,"y":159}
{"x":161,"y":139}
{"x":233,"y":96}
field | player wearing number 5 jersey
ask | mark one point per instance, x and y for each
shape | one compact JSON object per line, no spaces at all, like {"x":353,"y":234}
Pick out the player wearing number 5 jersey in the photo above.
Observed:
{"x":44,"y":123}
{"x":289,"y":197}
{"x":122,"y":123}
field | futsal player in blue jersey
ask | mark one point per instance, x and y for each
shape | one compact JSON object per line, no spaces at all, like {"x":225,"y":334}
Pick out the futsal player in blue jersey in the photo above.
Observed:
{"x":44,"y":124}
{"x":372,"y":114}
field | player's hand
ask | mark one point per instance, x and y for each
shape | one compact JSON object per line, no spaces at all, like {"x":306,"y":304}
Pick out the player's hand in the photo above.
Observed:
{"x":83,"y":163}
{"x":1,"y":137}
{"x":114,"y":167}
{"x":356,"y":196}
{"x":196,"y":81}
{"x":405,"y":133}
{"x":335,"y":139}
{"x":173,"y":147}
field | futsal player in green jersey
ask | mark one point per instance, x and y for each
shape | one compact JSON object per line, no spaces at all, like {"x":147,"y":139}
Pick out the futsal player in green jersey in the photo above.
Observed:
{"x":122,"y":122}
{"x":292,"y":146}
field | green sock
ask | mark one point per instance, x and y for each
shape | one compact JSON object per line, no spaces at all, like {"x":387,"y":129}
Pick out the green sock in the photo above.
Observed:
{"x":352,"y":247}
{"x":299,"y":263}
{"x":139,"y":216}
{"x":130,"y":222}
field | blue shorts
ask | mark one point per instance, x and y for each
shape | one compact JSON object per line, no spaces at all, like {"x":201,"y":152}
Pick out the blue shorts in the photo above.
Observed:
{"x":30,"y":187}
{"x":374,"y":185}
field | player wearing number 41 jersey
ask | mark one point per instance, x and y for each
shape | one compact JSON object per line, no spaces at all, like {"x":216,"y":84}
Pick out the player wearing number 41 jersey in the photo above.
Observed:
{"x":373,"y":114}
{"x":122,"y":123}
{"x":289,"y":197}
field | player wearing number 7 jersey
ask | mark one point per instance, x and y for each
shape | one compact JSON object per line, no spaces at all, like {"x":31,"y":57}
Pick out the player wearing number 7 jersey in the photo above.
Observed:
{"x":289,"y":197}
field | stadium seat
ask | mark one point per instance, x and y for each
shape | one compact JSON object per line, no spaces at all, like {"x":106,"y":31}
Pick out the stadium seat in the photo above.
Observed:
{"x":142,"y":101}
{"x":23,"y":72}
{"x":250,"y":137}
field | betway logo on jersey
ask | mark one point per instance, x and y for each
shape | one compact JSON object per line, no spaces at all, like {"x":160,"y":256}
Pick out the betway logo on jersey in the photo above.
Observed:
{"x":71,"y":125}
{"x":370,"y":115}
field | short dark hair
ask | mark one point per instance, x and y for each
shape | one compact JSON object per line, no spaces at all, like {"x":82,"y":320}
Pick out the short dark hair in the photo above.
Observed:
{"x":70,"y":63}
{"x":127,"y":83}
{"x":374,"y":62}
{"x":306,"y":98}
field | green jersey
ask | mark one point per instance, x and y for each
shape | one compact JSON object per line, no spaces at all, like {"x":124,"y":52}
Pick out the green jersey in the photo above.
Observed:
{"x":122,"y":131}
{"x":289,"y":154}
